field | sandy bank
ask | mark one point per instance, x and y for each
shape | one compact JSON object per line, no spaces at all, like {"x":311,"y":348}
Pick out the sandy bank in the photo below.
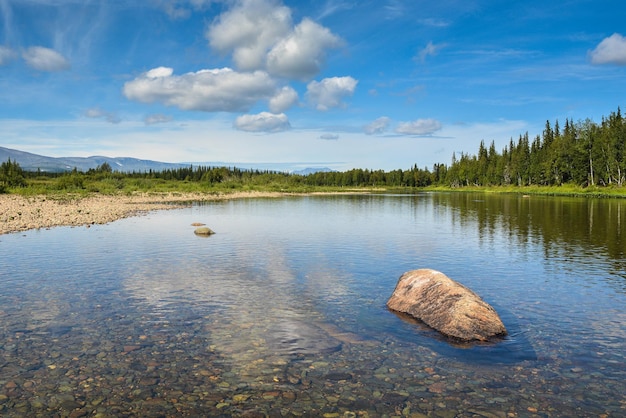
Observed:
{"x":18,"y":213}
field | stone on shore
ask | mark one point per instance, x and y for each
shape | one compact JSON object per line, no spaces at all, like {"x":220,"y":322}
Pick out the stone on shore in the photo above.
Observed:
{"x":204,"y":231}
{"x":445,"y":305}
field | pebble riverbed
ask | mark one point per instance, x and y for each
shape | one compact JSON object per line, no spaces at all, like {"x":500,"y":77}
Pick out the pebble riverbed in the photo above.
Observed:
{"x":20,"y":213}
{"x":122,"y":362}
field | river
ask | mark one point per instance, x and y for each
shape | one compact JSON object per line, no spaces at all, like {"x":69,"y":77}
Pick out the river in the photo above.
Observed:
{"x":282,"y":312}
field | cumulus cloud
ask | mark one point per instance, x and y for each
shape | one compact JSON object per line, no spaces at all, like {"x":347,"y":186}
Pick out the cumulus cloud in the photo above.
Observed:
{"x":329,"y":137}
{"x":249,"y":30}
{"x":263,"y":122}
{"x":302,"y":54}
{"x":45,"y":59}
{"x":378,"y":126}
{"x":6,"y":55}
{"x":330,"y":91}
{"x":216,"y":90}
{"x":98,"y":113}
{"x":261,"y":35}
{"x":611,"y":50}
{"x":157,"y":118}
{"x":283,"y":100}
{"x":418,"y":127}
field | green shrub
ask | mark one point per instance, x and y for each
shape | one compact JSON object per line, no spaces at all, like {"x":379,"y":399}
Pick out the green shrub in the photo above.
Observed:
{"x":11,"y":175}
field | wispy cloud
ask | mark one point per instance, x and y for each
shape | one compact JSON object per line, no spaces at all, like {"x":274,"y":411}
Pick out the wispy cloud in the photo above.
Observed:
{"x":430,"y":49}
{"x":329,"y":137}
{"x":157,"y":118}
{"x":332,"y":6}
{"x":6,"y":55}
{"x":7,"y":17}
{"x":435,"y":23}
{"x":45,"y":59}
{"x":98,"y":113}
{"x":182,"y":9}
{"x":394,"y":9}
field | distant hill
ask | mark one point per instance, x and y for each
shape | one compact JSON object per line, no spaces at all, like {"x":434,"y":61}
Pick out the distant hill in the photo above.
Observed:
{"x":35,"y":162}
{"x":311,"y":170}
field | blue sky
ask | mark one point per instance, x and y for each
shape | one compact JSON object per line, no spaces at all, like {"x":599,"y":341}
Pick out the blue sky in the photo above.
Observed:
{"x":381,"y":84}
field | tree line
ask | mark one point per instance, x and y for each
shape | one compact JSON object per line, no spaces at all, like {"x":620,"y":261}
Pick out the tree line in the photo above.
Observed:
{"x":582,"y":153}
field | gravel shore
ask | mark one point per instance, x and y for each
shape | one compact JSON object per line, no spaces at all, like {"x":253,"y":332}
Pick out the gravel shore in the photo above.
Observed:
{"x":19,"y":213}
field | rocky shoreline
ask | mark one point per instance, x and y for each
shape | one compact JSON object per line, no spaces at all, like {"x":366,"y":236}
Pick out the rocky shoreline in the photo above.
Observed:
{"x":20,"y":213}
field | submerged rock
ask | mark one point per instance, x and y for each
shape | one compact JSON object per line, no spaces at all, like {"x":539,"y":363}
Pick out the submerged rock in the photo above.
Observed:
{"x":292,"y":337}
{"x":445,"y":305}
{"x":203,"y":230}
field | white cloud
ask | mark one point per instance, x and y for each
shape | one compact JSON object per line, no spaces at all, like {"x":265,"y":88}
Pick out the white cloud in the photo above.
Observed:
{"x":395,"y":9}
{"x":160,"y":72}
{"x":611,"y":50}
{"x":199,"y":4}
{"x":378,"y":126}
{"x":216,"y":90}
{"x":263,"y":122}
{"x":429,"y":50}
{"x":283,"y":100}
{"x":6,"y":55}
{"x":418,"y":127}
{"x":329,"y":137}
{"x":157,"y":118}
{"x":302,"y":54}
{"x":94,"y":112}
{"x":435,"y":23}
{"x":45,"y":59}
{"x":330,"y":91}
{"x":98,"y":113}
{"x":250,"y":30}
{"x":181,"y":9}
{"x":260,"y":35}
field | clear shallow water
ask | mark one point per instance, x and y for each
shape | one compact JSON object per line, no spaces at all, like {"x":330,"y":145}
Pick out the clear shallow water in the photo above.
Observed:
{"x":282,"y":311}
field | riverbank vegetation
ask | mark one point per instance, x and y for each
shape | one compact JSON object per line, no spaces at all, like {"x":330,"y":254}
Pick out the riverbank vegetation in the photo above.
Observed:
{"x":581,"y":158}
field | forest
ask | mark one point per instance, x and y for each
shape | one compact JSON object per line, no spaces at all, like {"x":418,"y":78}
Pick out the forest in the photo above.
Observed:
{"x":582,"y":154}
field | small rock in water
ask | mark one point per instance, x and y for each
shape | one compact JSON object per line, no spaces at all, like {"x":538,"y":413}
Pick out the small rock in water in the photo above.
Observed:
{"x":203,"y":231}
{"x":337,"y":376}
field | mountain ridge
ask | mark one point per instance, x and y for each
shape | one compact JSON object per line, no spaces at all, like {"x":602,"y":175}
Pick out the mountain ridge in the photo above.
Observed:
{"x":35,"y":162}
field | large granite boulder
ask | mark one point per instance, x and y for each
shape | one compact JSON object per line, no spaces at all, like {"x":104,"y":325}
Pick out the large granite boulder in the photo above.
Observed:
{"x":445,"y":305}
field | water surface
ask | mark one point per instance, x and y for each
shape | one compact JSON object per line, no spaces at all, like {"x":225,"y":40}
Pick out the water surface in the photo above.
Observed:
{"x":282,"y":311}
